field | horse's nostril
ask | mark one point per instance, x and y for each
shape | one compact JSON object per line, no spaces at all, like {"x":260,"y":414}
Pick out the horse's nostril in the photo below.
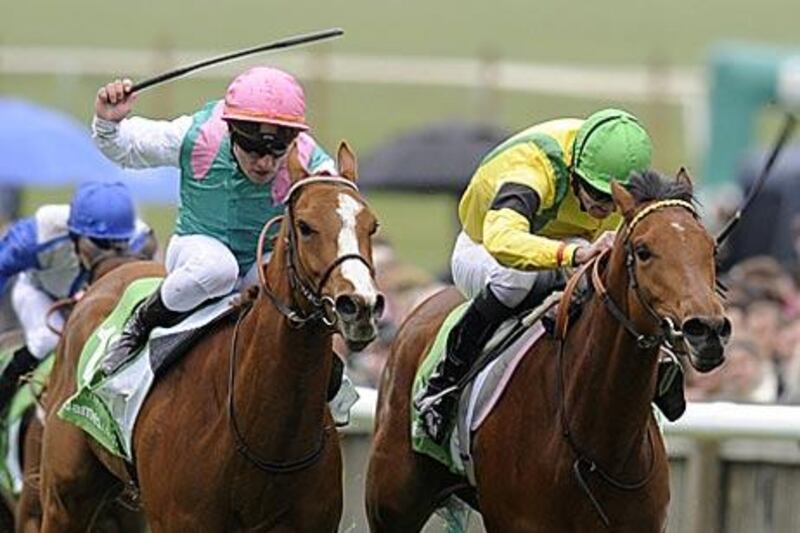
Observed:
{"x":346,"y":306}
{"x":695,"y":327}
{"x":380,"y":306}
{"x":707,"y":326}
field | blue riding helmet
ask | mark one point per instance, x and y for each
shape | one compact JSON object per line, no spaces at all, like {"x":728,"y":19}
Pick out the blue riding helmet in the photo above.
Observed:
{"x":101,"y":210}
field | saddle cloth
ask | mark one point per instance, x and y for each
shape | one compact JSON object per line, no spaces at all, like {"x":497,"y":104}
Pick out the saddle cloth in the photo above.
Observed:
{"x":513,"y":339}
{"x":106,"y":408}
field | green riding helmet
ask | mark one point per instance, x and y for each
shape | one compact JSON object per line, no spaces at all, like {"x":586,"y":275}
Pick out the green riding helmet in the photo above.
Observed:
{"x":609,"y":146}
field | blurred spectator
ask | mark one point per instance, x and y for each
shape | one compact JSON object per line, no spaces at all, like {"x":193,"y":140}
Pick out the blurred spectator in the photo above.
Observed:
{"x":762,"y":304}
{"x":746,"y":376}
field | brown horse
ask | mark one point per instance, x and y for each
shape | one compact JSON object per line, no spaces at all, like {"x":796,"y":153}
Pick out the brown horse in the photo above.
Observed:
{"x":113,"y":517}
{"x":572,"y":446}
{"x":236,"y":436}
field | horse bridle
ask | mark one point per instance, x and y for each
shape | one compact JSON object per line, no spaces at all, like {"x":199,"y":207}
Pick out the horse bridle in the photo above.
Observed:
{"x":322,"y":306}
{"x":669,"y":334}
{"x":297,"y":318}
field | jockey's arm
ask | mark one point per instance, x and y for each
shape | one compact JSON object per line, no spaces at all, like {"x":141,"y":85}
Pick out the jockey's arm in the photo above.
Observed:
{"x":138,"y":142}
{"x":507,"y":237}
{"x":507,"y":226}
{"x":18,"y":250}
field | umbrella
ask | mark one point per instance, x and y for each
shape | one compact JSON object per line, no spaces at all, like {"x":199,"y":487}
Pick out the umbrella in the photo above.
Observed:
{"x":43,"y":147}
{"x":437,"y":158}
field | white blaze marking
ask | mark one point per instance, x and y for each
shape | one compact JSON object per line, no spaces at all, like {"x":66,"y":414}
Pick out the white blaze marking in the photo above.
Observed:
{"x":677,"y":226}
{"x":353,"y":270}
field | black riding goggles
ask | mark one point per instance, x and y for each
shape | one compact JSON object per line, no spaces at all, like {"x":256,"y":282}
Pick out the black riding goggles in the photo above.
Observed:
{"x":261,"y":143}
{"x":596,"y":194}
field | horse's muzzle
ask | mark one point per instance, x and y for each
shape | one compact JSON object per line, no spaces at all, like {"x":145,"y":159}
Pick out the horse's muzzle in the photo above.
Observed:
{"x":706,"y":337}
{"x":358,"y":319}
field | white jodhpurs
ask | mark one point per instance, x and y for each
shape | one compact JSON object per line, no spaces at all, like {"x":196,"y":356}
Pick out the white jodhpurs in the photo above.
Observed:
{"x":31,"y":304}
{"x":199,"y":267}
{"x":474,"y":268}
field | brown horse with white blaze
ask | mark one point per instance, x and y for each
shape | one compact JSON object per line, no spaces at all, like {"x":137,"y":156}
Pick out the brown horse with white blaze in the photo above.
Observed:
{"x":572,"y":445}
{"x":236,"y":436}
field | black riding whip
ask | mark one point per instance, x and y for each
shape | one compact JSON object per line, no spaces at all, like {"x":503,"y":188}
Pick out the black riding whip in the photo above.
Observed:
{"x":788,"y":128}
{"x":276,"y":45}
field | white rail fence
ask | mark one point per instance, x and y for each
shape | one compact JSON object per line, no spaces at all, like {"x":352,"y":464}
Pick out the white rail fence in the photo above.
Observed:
{"x":682,"y":87}
{"x":633,"y":83}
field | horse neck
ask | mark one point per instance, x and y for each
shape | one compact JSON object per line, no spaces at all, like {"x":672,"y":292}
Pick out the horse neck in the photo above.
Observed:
{"x":108,"y":263}
{"x":282,"y":373}
{"x":610,"y":382}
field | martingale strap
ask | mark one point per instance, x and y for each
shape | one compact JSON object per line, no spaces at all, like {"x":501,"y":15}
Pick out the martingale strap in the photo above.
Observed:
{"x":584,"y":463}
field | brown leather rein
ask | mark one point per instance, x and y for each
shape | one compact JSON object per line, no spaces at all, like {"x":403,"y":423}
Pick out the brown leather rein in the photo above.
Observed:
{"x":322,"y":306}
{"x":322,"y":310}
{"x":669,"y":334}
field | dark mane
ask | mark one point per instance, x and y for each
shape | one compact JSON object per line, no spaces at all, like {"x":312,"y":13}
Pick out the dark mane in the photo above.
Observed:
{"x":650,"y":186}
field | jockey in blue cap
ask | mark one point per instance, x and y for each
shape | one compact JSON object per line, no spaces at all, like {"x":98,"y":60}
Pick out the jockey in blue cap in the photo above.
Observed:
{"x":52,"y":254}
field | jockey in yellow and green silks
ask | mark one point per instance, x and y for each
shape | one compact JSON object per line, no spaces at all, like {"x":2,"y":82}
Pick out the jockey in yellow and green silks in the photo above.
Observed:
{"x":539,"y":202}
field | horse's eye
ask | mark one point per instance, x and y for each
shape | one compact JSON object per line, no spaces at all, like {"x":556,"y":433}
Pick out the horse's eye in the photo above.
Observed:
{"x":374,"y":229}
{"x":305,"y":229}
{"x":643,"y":253}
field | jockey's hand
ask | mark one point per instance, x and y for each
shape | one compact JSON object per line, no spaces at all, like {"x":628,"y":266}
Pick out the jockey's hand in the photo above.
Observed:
{"x":114,"y":100}
{"x":605,"y":241}
{"x":584,"y":254}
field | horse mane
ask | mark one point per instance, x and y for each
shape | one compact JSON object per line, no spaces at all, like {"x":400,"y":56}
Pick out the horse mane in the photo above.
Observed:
{"x":649,"y":186}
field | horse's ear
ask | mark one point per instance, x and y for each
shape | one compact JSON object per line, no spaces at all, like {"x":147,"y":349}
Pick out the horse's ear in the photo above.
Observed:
{"x":624,"y":200}
{"x":296,"y":169}
{"x":684,"y":177}
{"x":346,"y":162}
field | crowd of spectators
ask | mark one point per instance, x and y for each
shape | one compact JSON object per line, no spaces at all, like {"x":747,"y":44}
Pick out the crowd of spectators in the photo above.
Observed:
{"x":763,"y":357}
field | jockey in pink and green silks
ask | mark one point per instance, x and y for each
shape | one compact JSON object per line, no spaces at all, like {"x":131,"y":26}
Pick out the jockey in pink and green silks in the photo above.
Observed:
{"x":234,"y":176}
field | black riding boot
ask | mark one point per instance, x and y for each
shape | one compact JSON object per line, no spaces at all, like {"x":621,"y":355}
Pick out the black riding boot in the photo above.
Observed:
{"x":21,"y":363}
{"x":465,"y":342}
{"x":669,"y":397}
{"x":152,"y":313}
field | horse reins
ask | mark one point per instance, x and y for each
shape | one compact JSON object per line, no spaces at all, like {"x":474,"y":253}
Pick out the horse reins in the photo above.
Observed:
{"x":670,"y":333}
{"x":272,"y":467}
{"x":321,"y":305}
{"x":296,"y":317}
{"x":643,"y":341}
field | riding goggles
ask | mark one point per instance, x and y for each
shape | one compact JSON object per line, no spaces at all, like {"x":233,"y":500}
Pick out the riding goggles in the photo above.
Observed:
{"x":262,"y":144}
{"x":596,"y":194}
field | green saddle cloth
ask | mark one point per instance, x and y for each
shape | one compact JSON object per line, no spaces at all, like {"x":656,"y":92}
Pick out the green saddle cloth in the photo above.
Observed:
{"x":420,"y":441}
{"x":85,"y":408}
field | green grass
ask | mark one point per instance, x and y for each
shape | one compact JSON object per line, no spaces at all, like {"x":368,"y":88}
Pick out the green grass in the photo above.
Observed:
{"x":611,"y":31}
{"x":608,"y":32}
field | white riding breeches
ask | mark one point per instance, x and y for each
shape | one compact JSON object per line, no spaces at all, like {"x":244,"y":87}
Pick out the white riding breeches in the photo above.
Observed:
{"x":474,"y":268}
{"x":31,"y":304}
{"x":200,"y":267}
